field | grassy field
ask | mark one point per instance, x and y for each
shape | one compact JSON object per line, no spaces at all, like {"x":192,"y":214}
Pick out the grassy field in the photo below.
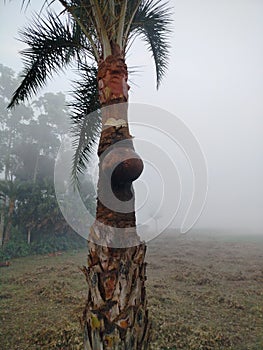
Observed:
{"x":204,"y":293}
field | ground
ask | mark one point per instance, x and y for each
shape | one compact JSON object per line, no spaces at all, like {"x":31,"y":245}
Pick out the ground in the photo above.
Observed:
{"x":204,"y":292}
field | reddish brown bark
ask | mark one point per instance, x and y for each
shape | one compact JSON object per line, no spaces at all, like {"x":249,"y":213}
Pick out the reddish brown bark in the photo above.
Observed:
{"x":116,"y":315}
{"x":115,"y":143}
{"x":112,"y":80}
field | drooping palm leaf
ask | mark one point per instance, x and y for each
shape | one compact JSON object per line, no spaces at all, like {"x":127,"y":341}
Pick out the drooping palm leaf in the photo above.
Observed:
{"x":85,"y":116}
{"x":52,"y":45}
{"x":152,"y":22}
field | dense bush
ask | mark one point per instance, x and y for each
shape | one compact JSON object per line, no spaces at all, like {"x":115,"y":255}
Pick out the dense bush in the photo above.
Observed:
{"x":48,"y":243}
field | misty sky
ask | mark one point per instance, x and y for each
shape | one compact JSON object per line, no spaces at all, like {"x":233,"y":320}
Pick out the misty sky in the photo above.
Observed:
{"x":214,"y":85}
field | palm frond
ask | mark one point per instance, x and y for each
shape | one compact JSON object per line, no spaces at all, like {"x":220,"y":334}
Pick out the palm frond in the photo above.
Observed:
{"x":85,"y":117}
{"x":152,"y":22}
{"x":52,"y":45}
{"x":26,"y":3}
{"x":132,"y":8}
{"x":79,"y":16}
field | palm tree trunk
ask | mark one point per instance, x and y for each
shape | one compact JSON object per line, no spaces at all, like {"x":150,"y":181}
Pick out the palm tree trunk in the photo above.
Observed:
{"x":116,"y":315}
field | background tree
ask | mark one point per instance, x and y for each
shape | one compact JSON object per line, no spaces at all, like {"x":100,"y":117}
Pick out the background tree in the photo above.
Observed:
{"x":37,"y":210}
{"x":116,"y":315}
{"x":9,"y":191}
{"x":11,"y":122}
{"x":28,"y":203}
{"x":2,"y":216}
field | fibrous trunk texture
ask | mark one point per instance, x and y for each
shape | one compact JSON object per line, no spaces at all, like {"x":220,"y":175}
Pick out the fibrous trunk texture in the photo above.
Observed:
{"x":116,"y":315}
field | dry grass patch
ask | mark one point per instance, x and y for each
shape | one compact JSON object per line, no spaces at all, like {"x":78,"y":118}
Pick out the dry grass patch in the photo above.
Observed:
{"x":203,"y":294}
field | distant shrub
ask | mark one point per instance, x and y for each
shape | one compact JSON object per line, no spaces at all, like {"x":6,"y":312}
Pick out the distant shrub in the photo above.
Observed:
{"x":14,"y":249}
{"x":47,"y":243}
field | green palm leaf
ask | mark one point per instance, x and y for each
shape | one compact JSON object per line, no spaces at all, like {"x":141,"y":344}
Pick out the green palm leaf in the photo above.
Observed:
{"x":85,"y":116}
{"x":52,"y":45}
{"x":152,"y":22}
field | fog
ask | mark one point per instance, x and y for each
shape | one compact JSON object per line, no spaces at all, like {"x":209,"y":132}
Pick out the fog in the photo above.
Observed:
{"x":214,"y":86}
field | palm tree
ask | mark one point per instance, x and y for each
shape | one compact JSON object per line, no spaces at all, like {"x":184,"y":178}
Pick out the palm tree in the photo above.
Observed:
{"x":101,"y":31}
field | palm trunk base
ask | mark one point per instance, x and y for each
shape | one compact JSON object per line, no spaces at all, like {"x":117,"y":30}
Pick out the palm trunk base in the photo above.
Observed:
{"x":116,"y":315}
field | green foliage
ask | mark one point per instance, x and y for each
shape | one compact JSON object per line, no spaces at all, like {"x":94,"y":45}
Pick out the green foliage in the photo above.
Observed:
{"x":16,"y":247}
{"x":58,"y":243}
{"x":51,"y":46}
{"x":47,"y":243}
{"x":152,"y":22}
{"x":86,"y":119}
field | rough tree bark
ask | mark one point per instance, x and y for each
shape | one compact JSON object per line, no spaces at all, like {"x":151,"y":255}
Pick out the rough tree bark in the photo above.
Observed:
{"x":116,"y":315}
